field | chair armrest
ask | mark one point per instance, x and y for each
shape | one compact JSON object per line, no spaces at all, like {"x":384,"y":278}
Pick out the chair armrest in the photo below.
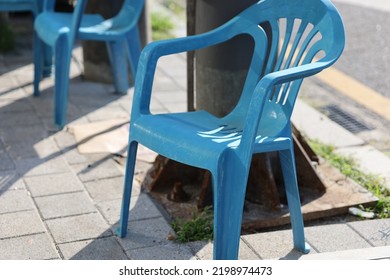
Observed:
{"x":264,"y":89}
{"x":294,"y":73}
{"x":48,"y":5}
{"x":153,"y":51}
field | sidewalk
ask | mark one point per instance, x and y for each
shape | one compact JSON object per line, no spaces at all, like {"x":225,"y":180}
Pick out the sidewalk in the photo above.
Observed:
{"x":56,"y":203}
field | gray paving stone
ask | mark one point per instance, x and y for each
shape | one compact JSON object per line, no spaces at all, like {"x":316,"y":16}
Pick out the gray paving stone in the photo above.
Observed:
{"x":377,"y":232}
{"x":10,"y":180}
{"x":97,"y":170}
{"x":204,"y":250}
{"x":15,"y":200}
{"x":30,"y":247}
{"x":40,"y":149}
{"x":169,"y":251}
{"x":64,"y":139}
{"x":373,"y":253}
{"x":146,"y":233}
{"x":88,"y":96}
{"x":73,"y":157}
{"x":20,"y":105}
{"x":6,"y":162}
{"x":163,"y":83}
{"x":44,"y":107}
{"x":53,"y":184}
{"x":107,"y":113}
{"x":109,"y":189}
{"x":272,"y":245}
{"x":37,"y":166}
{"x":9,"y":120}
{"x":13,"y":93}
{"x":20,"y":223}
{"x":110,"y":210}
{"x":8,"y":83}
{"x":126,"y":102}
{"x":28,"y":134}
{"x":96,"y":249}
{"x":62,"y":205}
{"x":77,"y":228}
{"x":335,"y":237}
{"x":141,"y":207}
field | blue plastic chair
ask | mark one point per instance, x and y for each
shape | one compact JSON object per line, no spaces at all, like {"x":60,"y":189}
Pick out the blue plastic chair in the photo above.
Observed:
{"x":21,"y":5}
{"x":34,"y":6}
{"x":60,"y":30}
{"x":307,"y":36}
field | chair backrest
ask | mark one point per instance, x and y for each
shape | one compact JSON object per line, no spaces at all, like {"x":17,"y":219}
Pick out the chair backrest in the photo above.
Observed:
{"x":129,"y":14}
{"x":21,"y":5}
{"x":76,"y":21}
{"x":49,"y":5}
{"x":301,"y":32}
{"x":126,"y":19}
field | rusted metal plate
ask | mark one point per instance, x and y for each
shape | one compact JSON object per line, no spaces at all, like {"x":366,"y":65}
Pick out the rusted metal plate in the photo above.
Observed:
{"x":184,"y":190}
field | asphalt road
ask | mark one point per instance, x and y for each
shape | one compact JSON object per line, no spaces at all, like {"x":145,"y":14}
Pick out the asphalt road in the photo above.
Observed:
{"x":355,"y":92}
{"x":367,"y":53}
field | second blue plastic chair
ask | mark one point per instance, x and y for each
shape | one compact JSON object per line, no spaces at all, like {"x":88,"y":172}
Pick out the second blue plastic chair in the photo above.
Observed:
{"x":21,"y":5}
{"x":34,"y":6}
{"x":60,"y":30}
{"x":301,"y":30}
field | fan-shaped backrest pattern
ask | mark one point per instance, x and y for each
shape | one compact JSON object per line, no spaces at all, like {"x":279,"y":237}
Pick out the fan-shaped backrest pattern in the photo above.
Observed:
{"x":300,"y":32}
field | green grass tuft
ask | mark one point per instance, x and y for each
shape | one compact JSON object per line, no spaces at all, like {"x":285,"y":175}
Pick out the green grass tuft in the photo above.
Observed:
{"x":349,"y":168}
{"x":162,"y":27}
{"x":200,"y":227}
{"x":7,"y":38}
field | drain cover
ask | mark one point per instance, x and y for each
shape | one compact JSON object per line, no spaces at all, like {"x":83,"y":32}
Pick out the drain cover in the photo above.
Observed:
{"x":345,"y":119}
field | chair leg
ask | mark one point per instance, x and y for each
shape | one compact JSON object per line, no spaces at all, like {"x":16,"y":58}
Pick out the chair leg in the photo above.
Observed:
{"x":117,"y":54}
{"x":62,"y":67}
{"x":38,"y":45}
{"x":133,"y":49}
{"x":47,"y":61}
{"x":290,"y":180}
{"x":121,"y":231}
{"x":229,"y":194}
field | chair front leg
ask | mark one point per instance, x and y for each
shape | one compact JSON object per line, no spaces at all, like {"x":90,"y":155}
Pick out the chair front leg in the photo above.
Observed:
{"x":63,"y":53}
{"x":133,"y":49}
{"x":229,"y":186}
{"x":121,"y":231}
{"x":38,"y":49}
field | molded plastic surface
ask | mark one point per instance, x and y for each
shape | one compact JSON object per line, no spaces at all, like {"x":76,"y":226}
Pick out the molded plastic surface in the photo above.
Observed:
{"x":307,"y":36}
{"x":60,"y":30}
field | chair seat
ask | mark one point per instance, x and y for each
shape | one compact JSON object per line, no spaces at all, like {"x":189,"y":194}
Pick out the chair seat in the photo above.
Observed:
{"x":102,"y":31}
{"x":49,"y":29}
{"x":200,"y":134}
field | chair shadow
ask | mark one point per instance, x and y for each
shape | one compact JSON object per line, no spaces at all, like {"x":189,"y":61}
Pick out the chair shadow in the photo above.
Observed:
{"x":27,"y":121}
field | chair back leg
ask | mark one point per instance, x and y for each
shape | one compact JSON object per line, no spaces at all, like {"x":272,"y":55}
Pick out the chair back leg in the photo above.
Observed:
{"x":38,"y":49}
{"x":294,"y":204}
{"x":47,"y":61}
{"x":63,"y":53}
{"x":116,"y":54}
{"x":133,"y":49}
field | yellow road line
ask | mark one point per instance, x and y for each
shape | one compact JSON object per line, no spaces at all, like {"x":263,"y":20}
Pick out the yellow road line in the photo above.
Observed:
{"x":357,"y":91}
